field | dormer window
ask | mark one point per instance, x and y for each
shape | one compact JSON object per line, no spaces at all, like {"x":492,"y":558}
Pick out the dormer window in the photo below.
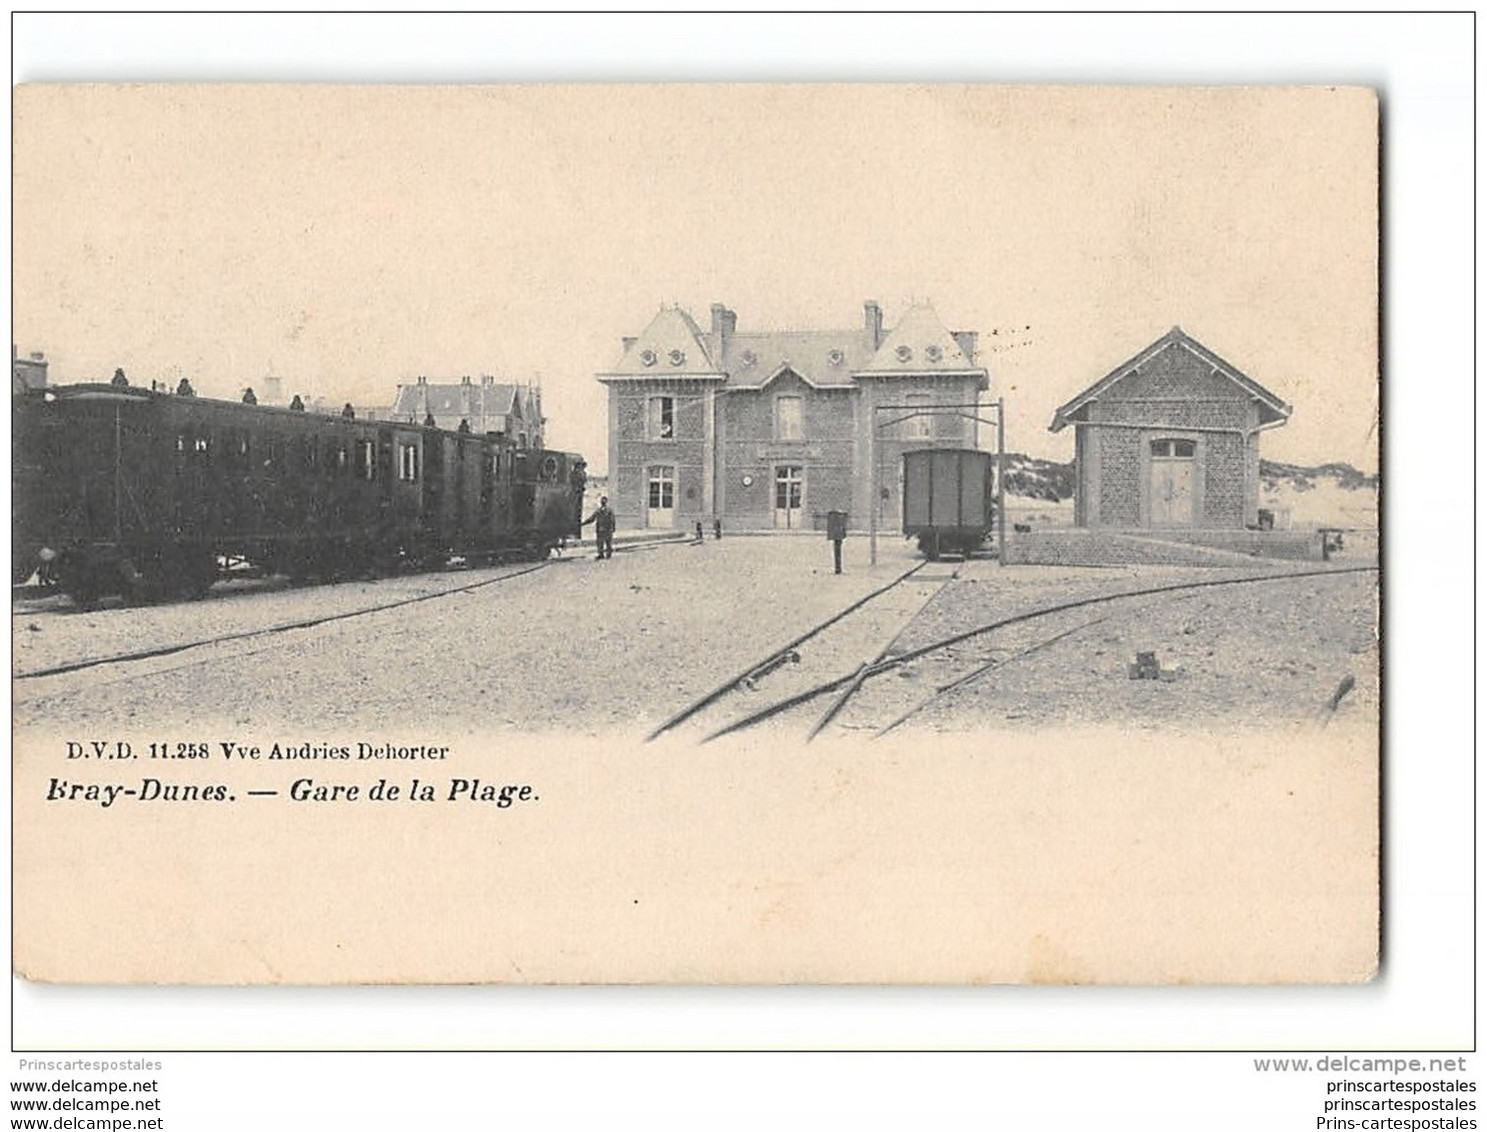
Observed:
{"x":676,"y":357}
{"x":904,"y":353}
{"x":933,"y":353}
{"x":647,"y":357}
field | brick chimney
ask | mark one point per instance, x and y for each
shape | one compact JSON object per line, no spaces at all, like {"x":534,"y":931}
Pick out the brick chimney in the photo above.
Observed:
{"x":872,"y":317}
{"x":724,"y":323}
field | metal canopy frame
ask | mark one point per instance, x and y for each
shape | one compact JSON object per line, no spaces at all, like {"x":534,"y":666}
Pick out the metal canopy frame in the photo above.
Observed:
{"x":955,"y":409}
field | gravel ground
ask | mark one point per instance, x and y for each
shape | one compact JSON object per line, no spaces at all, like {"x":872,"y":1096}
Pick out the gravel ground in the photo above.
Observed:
{"x":1053,"y":854}
{"x":581,"y":645}
{"x":595,"y":647}
{"x":1243,"y":656}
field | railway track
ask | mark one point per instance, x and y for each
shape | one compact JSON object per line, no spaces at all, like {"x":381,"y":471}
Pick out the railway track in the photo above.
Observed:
{"x":820,"y":645}
{"x":174,"y":647}
{"x":56,"y":605}
{"x":848,"y":684}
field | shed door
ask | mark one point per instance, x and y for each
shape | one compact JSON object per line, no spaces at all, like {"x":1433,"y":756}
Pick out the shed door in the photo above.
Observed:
{"x":1173,"y":468}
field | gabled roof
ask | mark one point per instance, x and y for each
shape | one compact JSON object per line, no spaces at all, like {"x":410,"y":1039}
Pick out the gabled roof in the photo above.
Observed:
{"x":674,"y":346}
{"x":820,"y":358}
{"x":1272,"y":408}
{"x":920,"y":344}
{"x":458,"y":398}
{"x":671,"y":346}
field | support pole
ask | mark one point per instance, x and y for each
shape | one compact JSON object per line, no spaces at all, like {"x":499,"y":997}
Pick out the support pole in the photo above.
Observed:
{"x":1001,"y":481}
{"x":872,"y":503}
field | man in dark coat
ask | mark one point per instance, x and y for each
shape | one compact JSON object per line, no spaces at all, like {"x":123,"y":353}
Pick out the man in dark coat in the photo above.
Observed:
{"x":603,"y":520}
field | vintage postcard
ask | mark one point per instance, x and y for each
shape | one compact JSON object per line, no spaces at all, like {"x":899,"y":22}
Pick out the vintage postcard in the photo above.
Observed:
{"x":695,"y":534}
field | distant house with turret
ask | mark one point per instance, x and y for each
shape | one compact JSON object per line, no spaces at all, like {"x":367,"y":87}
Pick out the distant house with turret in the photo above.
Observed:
{"x":768,"y":429}
{"x":483,"y":406}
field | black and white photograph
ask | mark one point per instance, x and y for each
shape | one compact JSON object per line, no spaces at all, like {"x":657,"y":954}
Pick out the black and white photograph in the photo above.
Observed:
{"x":887,"y":533}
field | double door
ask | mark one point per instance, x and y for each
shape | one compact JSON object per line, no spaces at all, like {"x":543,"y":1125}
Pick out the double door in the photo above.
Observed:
{"x":789,"y":497}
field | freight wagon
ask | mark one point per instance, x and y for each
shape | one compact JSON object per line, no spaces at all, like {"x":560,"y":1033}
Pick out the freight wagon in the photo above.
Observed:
{"x":949,"y":499}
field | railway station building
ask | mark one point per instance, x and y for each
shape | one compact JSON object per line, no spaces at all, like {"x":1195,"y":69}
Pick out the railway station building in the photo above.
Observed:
{"x":1170,"y":439}
{"x":773,"y":429}
{"x":488,"y":406}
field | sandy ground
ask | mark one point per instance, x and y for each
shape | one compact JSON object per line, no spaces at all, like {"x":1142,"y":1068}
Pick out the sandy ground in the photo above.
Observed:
{"x":1241,"y":847}
{"x":1240,"y":657}
{"x":581,"y":645}
{"x":622,"y":644}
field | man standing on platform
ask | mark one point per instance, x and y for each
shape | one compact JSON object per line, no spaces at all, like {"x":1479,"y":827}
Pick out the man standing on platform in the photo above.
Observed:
{"x":603,"y":520}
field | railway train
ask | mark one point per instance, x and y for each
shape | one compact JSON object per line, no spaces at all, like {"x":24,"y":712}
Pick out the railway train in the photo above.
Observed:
{"x":949,"y":499}
{"x":125,"y":490}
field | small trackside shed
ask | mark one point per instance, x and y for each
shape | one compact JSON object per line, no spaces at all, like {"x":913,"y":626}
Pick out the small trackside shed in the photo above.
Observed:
{"x":1170,"y":439}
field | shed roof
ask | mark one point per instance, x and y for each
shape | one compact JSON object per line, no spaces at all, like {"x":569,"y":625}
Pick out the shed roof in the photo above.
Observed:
{"x":1272,"y":408}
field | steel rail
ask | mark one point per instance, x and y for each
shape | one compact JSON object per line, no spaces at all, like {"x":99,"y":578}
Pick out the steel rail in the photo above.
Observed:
{"x":269,"y":630}
{"x":863,"y":674}
{"x":723,"y":689}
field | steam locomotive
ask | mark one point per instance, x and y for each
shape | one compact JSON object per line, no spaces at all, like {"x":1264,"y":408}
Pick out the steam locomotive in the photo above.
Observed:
{"x":132,"y":491}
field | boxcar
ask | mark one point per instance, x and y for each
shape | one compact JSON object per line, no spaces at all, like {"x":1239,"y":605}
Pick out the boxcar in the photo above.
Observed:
{"x":127,"y":490}
{"x":948,"y":499}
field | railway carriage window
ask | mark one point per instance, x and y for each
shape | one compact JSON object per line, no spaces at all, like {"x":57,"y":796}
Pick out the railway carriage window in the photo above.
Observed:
{"x":202,"y":445}
{"x":407,"y":462}
{"x":366,"y":459}
{"x":310,"y":454}
{"x":550,"y":469}
{"x":340,"y":459}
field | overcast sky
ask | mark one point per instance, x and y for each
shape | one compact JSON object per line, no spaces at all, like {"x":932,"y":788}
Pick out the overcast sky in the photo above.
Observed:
{"x":348,"y":239}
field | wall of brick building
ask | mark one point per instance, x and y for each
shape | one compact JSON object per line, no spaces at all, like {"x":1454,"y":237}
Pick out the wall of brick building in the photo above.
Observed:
{"x":1175,"y":394}
{"x":833,"y":451}
{"x":632,"y":453}
{"x":1223,"y":480}
{"x":749,"y":447}
{"x":1119,"y":488}
{"x":892,"y":440}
